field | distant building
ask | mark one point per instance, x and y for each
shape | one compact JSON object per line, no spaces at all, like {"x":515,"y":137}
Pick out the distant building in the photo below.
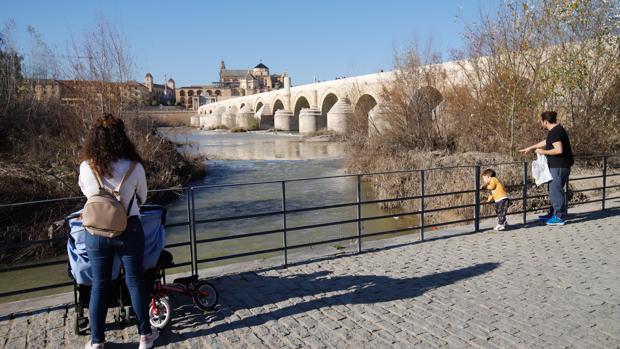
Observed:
{"x":232,"y":83}
{"x":70,"y":91}
{"x":160,"y":94}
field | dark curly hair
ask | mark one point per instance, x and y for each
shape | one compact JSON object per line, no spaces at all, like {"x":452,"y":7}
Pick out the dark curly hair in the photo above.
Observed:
{"x":107,"y":142}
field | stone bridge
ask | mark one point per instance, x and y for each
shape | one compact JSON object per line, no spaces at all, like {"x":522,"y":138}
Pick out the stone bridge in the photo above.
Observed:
{"x":308,"y":108}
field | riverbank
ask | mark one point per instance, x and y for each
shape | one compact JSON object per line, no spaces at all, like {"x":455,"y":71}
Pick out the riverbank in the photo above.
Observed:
{"x":25,"y":179}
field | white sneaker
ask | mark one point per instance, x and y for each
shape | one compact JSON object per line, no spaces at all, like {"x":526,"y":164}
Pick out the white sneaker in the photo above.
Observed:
{"x":90,"y":345}
{"x":497,"y":227}
{"x":500,"y":227}
{"x":146,"y":342}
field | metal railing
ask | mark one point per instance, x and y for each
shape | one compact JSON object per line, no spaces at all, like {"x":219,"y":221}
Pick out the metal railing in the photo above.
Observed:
{"x":282,"y":214}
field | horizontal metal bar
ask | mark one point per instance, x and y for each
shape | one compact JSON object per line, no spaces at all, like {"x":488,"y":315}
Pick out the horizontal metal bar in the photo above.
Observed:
{"x":182,"y":264}
{"x":501,"y":164}
{"x":316,"y":208}
{"x":612,"y":198}
{"x":583,"y":178}
{"x":613,"y":186}
{"x":69,"y":198}
{"x":213,"y":186}
{"x":178,"y":244}
{"x":584,"y":202}
{"x":323,"y":242}
{"x":239,"y":255}
{"x":372,"y":218}
{"x":537,"y":196}
{"x":34,"y":289}
{"x":31,"y":266}
{"x":45,"y":201}
{"x":173,"y":225}
{"x":451,"y":222}
{"x":613,"y":174}
{"x":301,"y":179}
{"x":451,"y":193}
{"x":393,"y":231}
{"x":240,"y":236}
{"x":380,"y":201}
{"x":320,"y":225}
{"x":584,"y":190}
{"x":8,"y":246}
{"x":448,"y":208}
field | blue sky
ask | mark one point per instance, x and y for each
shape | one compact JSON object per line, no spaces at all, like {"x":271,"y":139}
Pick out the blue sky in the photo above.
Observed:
{"x":322,"y":38}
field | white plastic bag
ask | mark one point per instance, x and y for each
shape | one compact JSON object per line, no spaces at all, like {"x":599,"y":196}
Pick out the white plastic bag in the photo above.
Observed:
{"x":540,"y":170}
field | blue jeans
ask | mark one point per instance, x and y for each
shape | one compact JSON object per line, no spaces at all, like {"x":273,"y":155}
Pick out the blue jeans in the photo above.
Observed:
{"x":556,"y":191}
{"x":101,"y":251}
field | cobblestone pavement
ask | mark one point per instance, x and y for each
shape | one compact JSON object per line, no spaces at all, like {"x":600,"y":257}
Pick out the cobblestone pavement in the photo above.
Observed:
{"x":534,"y":287}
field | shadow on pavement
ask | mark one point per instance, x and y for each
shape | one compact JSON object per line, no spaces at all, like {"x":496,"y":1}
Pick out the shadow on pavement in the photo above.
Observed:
{"x":263,"y":292}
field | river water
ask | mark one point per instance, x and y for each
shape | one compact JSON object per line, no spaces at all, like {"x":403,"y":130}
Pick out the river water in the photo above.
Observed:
{"x":265,"y":157}
{"x":249,"y":158}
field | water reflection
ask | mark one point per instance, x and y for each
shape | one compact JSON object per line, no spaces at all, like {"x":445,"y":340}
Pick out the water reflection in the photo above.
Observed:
{"x":259,"y":145}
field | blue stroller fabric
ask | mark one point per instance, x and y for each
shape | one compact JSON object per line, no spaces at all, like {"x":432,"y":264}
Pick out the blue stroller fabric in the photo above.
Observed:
{"x":154,"y":240}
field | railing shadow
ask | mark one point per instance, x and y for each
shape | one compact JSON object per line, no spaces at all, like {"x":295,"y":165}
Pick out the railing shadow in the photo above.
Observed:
{"x":254,"y":292}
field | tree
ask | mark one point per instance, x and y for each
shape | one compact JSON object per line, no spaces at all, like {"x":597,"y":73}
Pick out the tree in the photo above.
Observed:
{"x":533,"y":56}
{"x":10,"y":72}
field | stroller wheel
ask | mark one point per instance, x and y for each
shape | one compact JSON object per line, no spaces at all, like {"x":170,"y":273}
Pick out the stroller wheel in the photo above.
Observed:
{"x":160,"y":313}
{"x":205,"y":295}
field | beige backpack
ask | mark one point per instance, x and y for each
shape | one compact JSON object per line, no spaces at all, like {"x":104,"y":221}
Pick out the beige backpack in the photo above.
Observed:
{"x":103,"y":213}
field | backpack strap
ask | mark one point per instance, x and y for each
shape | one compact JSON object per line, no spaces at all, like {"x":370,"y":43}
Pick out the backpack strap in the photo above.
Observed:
{"x":97,"y":177}
{"x":132,"y":166}
{"x":117,"y":191}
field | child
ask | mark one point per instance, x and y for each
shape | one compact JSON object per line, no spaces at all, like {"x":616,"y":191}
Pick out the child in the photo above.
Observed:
{"x":498,"y":194}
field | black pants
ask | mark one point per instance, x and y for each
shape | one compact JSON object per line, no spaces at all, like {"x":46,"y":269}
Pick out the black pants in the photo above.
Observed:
{"x":501,"y":208}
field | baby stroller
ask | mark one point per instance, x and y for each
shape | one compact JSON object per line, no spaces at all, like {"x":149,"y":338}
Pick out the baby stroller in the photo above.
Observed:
{"x":152,"y":218}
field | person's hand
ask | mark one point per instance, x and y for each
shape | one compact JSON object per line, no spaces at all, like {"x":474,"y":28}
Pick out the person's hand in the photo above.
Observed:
{"x":525,"y":150}
{"x":539,"y":151}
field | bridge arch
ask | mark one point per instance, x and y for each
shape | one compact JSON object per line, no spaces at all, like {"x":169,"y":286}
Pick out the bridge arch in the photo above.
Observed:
{"x":327,"y":102}
{"x":259,"y":104}
{"x":429,"y":98}
{"x":300,"y":103}
{"x":363,"y":105}
{"x":277,"y":105}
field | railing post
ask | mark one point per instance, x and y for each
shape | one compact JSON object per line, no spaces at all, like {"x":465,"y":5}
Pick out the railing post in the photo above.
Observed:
{"x":190,"y":228}
{"x":604,"y":183}
{"x":284,"y":235}
{"x":477,"y":198}
{"x":524,"y":192}
{"x":566,"y":191}
{"x":359,"y":214}
{"x":421,"y":205}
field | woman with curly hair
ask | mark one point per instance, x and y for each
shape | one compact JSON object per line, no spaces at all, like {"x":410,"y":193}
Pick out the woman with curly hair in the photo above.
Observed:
{"x":109,"y":158}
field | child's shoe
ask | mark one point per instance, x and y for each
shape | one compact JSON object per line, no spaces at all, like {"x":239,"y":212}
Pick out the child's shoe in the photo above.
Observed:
{"x":555,"y":220}
{"x":497,"y":227}
{"x":501,"y":227}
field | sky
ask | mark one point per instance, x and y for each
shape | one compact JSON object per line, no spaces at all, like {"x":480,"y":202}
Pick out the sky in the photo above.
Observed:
{"x":315,"y":39}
